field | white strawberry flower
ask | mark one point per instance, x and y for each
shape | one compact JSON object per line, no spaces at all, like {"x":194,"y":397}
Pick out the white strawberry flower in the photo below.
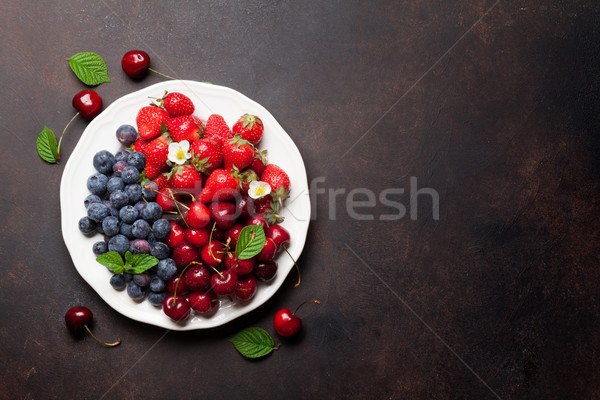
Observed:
{"x":258,"y":189}
{"x":179,"y":152}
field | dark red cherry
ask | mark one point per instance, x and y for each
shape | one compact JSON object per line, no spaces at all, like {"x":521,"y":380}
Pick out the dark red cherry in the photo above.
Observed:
{"x":280,"y":236}
{"x":268,"y":252}
{"x":203,"y":302}
{"x":79,"y":319}
{"x":265,"y":271}
{"x":223,"y":213}
{"x":184,"y":254}
{"x":197,"y":278}
{"x":245,"y":289}
{"x":224,"y":282}
{"x":286,"y":323}
{"x":135,"y":63}
{"x":176,"y":308}
{"x":88,"y":103}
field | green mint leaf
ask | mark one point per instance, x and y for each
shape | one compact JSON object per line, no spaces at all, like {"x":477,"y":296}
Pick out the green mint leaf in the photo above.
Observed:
{"x":253,"y":342}
{"x":128,"y":258}
{"x":250,"y":242}
{"x":141,"y":263}
{"x":46,"y":146}
{"x":90,"y":68}
{"x":112,"y":260}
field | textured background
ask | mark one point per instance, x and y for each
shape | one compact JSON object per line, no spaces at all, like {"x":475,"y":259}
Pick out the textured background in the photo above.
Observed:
{"x":493,"y":104}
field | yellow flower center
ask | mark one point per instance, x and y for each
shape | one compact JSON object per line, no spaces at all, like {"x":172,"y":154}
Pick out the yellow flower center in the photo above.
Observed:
{"x":180,"y":154}
{"x":259,"y":191}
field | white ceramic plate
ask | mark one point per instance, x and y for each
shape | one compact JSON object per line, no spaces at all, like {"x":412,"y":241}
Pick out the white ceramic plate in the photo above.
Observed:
{"x":100,"y":135}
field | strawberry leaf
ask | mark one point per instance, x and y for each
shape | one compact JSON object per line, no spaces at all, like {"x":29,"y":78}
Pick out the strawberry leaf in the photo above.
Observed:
{"x":113,"y":261}
{"x":46,"y":146}
{"x":90,"y":68}
{"x":253,"y":342}
{"x":250,"y":242}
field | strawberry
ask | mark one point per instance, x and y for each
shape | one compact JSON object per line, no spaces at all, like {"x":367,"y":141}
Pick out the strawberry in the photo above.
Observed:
{"x":216,"y":128}
{"x":177,"y":104}
{"x":185,"y":127}
{"x":221,"y":185}
{"x":154,"y":171}
{"x":186,"y":177}
{"x":260,"y":162}
{"x":246,"y":176}
{"x":149,"y":121}
{"x":237,"y":153}
{"x":249,"y":127}
{"x":163,"y":181}
{"x":268,"y":208}
{"x":140,"y":145}
{"x":279,"y":181}
{"x":157,"y":154}
{"x":206,"y":155}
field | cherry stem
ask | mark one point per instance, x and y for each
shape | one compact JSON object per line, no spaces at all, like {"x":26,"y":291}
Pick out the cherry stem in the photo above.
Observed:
{"x":181,"y":276}
{"x":116,"y":343}
{"x":295,"y":264}
{"x":161,"y":74}
{"x":210,"y":241}
{"x":63,"y":134}
{"x":303,"y":303}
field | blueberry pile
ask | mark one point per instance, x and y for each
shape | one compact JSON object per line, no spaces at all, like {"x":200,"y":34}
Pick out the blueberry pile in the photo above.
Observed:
{"x":126,"y":213}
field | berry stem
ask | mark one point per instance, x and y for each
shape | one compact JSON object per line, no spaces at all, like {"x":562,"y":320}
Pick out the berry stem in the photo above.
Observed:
{"x":303,"y":303}
{"x":116,"y":343}
{"x":161,"y":74}
{"x":63,"y":134}
{"x":295,"y":264}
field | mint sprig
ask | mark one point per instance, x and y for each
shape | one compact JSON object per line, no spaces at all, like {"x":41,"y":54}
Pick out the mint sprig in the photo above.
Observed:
{"x":133,"y":264}
{"x":46,"y":146}
{"x":250,"y":242}
{"x":253,"y":342}
{"x":89,"y":67}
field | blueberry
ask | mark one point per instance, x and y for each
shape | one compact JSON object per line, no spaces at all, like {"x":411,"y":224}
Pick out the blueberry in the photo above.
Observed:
{"x":156,"y":284}
{"x":139,"y":205}
{"x":97,"y":183}
{"x":118,"y":167}
{"x":130,"y":174}
{"x":92,"y":198}
{"x":98,"y":211}
{"x":159,"y":250}
{"x":128,"y":214}
{"x":156,"y":299}
{"x":87,"y":225}
{"x":122,"y":155}
{"x":115,"y":183}
{"x":111,"y":225}
{"x":137,"y":160}
{"x":126,"y":230}
{"x":126,"y":134}
{"x":135,"y":291}
{"x":128,"y":277}
{"x":118,"y":243}
{"x":166,"y":269}
{"x":134,"y":191}
{"x":104,"y":161}
{"x":117,"y":281}
{"x":119,"y":199}
{"x":140,"y":229}
{"x":151,"y":238}
{"x":149,"y":190}
{"x":139,"y":246}
{"x":151,"y":211}
{"x":99,"y":248}
{"x":142,"y":280}
{"x":161,"y":228}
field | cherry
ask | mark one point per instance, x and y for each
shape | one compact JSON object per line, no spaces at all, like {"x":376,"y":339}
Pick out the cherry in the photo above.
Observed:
{"x":176,"y":285}
{"x":166,"y":199}
{"x":244,"y":207}
{"x":245,"y":289}
{"x":286,"y":323}
{"x":257,"y":220}
{"x":268,"y":252}
{"x":280,"y":236}
{"x":176,"y":307}
{"x":176,"y":236}
{"x":223,"y":213}
{"x":212,"y":254}
{"x":88,"y":103}
{"x":233,"y":234}
{"x":240,"y":267}
{"x":197,"y":237}
{"x":78,"y":320}
{"x":184,"y":254}
{"x":136,"y":63}
{"x":197,"y":278}
{"x":203,"y":302}
{"x":224,"y":282}
{"x":198,"y":215}
{"x":265,"y":271}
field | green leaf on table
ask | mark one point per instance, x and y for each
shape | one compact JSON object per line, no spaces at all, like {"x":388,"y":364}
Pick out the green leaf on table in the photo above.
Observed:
{"x":253,"y":342}
{"x":113,"y":261}
{"x":141,"y":263}
{"x":90,"y":68}
{"x":250,"y":242}
{"x":46,"y":145}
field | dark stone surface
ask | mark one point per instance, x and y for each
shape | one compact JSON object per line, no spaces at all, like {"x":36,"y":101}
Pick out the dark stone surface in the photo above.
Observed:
{"x":494,"y":105}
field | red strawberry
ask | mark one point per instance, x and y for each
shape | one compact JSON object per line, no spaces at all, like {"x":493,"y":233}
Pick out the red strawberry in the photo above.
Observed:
{"x":177,"y":104}
{"x":237,"y":153}
{"x":260,"y":162}
{"x":221,"y":185}
{"x":157,"y":154}
{"x":186,"y":177}
{"x":246,"y":176}
{"x":268,"y":208}
{"x":140,"y":145}
{"x":279,"y":181}
{"x":216,"y":128}
{"x":206,"y":155}
{"x":162,"y":181}
{"x":154,"y":171}
{"x":149,"y":121}
{"x":186,"y":127}
{"x":249,"y":127}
